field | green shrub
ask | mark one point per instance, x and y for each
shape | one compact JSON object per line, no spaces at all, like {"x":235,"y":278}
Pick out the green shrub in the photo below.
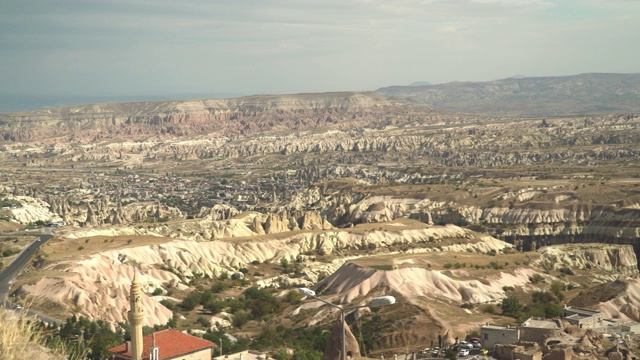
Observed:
{"x":536,"y":278}
{"x":204,"y":322}
{"x":9,"y":252}
{"x":157,"y":291}
{"x":168,"y":304}
{"x":240,"y":318}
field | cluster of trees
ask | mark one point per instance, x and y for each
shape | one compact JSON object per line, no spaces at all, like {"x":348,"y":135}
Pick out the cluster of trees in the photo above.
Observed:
{"x":92,"y":338}
{"x":307,"y":343}
{"x":543,"y":304}
{"x":88,"y":339}
{"x":253,"y":304}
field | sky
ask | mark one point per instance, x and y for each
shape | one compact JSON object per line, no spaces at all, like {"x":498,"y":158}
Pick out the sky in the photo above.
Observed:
{"x":160,"y":47}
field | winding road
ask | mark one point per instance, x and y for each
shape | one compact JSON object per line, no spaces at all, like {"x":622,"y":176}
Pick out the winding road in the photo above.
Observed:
{"x":12,"y":270}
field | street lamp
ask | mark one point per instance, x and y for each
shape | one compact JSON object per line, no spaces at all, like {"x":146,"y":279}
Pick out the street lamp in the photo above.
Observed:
{"x":375,"y":302}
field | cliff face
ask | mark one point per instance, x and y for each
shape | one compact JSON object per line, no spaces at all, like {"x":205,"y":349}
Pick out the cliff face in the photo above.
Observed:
{"x":532,"y":220}
{"x":223,"y":117}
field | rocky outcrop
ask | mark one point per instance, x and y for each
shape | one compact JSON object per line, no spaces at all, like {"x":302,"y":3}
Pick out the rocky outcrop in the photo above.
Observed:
{"x":352,"y":281}
{"x":528,"y":224}
{"x":99,"y":284}
{"x":31,"y":210}
{"x":100,"y":211}
{"x":616,"y":259}
{"x":333,"y":350}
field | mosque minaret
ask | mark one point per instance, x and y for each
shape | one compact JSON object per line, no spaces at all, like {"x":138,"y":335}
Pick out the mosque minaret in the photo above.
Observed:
{"x":136,"y":316}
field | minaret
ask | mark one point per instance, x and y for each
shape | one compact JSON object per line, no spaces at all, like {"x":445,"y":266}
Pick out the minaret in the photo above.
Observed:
{"x":136,"y":315}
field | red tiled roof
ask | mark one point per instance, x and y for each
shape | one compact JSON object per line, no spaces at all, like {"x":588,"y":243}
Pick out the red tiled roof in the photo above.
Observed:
{"x":170,"y":342}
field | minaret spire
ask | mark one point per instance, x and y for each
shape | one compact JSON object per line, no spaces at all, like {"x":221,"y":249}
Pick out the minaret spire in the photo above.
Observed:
{"x":136,"y":315}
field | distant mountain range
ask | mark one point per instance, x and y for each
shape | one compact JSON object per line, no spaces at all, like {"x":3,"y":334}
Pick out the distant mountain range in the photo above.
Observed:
{"x":518,"y":96}
{"x":530,"y":96}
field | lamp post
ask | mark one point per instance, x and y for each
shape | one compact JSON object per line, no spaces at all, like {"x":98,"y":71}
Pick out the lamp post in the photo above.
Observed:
{"x":375,"y":302}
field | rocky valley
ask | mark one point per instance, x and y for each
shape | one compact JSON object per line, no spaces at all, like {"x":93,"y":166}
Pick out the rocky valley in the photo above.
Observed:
{"x":352,"y":194}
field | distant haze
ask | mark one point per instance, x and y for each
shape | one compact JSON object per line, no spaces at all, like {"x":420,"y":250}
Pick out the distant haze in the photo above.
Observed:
{"x":135,"y":49}
{"x":10,"y":103}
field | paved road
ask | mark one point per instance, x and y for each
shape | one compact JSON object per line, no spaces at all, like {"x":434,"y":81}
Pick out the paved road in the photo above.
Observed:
{"x":10,"y":272}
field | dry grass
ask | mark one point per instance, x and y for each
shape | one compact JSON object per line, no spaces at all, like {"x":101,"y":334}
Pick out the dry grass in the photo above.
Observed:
{"x":21,"y":338}
{"x":9,"y":226}
{"x":58,"y":249}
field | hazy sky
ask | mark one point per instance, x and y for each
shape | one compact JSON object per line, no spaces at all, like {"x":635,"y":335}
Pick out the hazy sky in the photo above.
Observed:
{"x":135,"y":47}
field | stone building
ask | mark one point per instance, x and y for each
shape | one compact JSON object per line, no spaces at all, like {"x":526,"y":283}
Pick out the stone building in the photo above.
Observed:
{"x":631,"y":326}
{"x":492,"y":335}
{"x":538,"y":330}
{"x":581,"y":317}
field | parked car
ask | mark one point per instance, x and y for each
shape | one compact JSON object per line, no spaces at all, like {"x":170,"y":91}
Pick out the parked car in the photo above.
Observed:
{"x":476,"y":344}
{"x":465,"y":345}
{"x":435,"y":351}
{"x":463,"y":352}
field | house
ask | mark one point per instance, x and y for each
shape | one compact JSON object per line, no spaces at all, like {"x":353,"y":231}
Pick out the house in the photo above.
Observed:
{"x":498,"y":334}
{"x":538,"y":330}
{"x":166,"y":345}
{"x":631,"y":327}
{"x":581,"y":317}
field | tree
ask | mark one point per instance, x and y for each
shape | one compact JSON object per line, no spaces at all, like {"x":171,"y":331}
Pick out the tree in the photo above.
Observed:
{"x":542,"y":297}
{"x":285,"y":265}
{"x":190,"y":301}
{"x":229,"y":347}
{"x":96,"y":335}
{"x":240,"y":318}
{"x":305,"y":354}
{"x":557,"y":287}
{"x":281,"y":354}
{"x":511,"y":306}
